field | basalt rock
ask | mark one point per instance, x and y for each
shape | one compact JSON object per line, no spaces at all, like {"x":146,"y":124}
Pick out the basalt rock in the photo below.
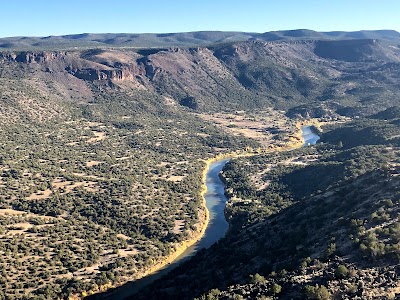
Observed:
{"x":30,"y":57}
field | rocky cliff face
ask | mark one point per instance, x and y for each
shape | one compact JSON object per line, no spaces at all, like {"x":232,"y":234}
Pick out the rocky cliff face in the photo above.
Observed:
{"x":125,"y":73}
{"x":80,"y":68}
{"x":30,"y":57}
{"x":240,"y":75}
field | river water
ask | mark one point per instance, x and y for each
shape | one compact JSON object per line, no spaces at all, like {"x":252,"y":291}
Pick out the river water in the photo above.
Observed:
{"x":310,"y":137}
{"x":216,"y":229}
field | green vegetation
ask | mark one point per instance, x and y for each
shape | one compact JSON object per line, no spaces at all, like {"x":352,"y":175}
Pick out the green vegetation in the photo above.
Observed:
{"x":276,"y":289}
{"x":257,"y":278}
{"x":99,"y":199}
{"x":317,"y":292}
{"x":324,"y":215}
{"x":341,"y":272}
{"x":185,"y":39}
{"x":102,"y":153}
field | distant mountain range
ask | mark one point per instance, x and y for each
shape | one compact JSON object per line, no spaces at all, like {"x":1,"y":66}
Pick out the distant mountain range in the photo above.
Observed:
{"x":103,"y":142}
{"x":183,"y":39}
{"x":305,"y":77}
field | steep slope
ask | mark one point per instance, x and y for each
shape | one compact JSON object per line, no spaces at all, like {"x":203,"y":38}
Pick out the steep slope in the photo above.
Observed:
{"x":323,"y":216}
{"x":358,"y":79}
{"x":353,"y":50}
{"x":100,"y":176}
{"x":95,"y":143}
{"x":312,"y":245}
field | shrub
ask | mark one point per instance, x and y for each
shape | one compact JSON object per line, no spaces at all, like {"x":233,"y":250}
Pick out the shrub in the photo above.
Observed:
{"x":276,"y":288}
{"x":257,"y":278}
{"x":330,"y":250}
{"x":212,"y":295}
{"x":317,"y":292}
{"x":341,"y":272}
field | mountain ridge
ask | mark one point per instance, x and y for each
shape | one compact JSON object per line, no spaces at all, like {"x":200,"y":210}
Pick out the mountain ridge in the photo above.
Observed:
{"x":102,"y":149}
{"x":181,"y":39}
{"x":242,"y":75}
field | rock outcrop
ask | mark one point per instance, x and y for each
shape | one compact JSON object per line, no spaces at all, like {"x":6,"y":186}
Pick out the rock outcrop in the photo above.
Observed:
{"x":238,"y":75}
{"x":31,"y":57}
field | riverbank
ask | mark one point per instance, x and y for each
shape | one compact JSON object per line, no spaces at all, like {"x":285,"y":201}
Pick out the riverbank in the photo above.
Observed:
{"x":296,"y":141}
{"x":179,"y":249}
{"x":124,"y":288}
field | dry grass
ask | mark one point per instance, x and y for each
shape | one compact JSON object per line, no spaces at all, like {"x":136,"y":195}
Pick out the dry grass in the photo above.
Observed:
{"x":69,"y":186}
{"x":93,"y":163}
{"x":175,"y":178}
{"x":99,"y":136}
{"x":250,"y":125}
{"x":178,"y":226}
{"x":8,"y":211}
{"x":40,"y":195}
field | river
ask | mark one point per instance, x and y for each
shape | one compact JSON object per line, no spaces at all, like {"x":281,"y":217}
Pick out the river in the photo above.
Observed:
{"x":309,"y":136}
{"x":216,"y":229}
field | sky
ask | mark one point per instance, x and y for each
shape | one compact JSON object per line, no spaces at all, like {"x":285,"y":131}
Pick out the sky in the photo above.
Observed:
{"x":55,"y":17}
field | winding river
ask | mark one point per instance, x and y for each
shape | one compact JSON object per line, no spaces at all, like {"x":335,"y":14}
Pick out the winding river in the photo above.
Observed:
{"x":216,"y":229}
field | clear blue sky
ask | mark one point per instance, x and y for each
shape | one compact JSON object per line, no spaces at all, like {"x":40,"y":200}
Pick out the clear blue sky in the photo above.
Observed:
{"x":56,"y":17}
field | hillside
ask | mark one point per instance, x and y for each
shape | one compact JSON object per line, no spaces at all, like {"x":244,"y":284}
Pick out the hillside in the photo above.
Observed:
{"x":182,"y":39}
{"x":85,"y":170}
{"x":103,"y":151}
{"x":360,"y":79}
{"x":315,"y":222}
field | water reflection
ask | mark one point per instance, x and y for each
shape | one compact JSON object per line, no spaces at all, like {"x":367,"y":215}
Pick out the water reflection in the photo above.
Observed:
{"x":216,"y":229}
{"x":310,"y":138}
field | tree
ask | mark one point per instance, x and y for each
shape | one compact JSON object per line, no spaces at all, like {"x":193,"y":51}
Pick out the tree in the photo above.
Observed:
{"x":341,"y":272}
{"x":257,"y":278}
{"x":317,"y":292}
{"x":330,"y":250}
{"x":276,"y":288}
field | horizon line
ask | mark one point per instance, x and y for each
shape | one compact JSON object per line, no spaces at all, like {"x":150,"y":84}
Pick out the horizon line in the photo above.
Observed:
{"x":195,"y":31}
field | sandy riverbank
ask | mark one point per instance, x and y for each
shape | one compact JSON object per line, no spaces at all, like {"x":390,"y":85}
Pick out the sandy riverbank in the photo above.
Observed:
{"x":296,"y":141}
{"x":180,"y":247}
